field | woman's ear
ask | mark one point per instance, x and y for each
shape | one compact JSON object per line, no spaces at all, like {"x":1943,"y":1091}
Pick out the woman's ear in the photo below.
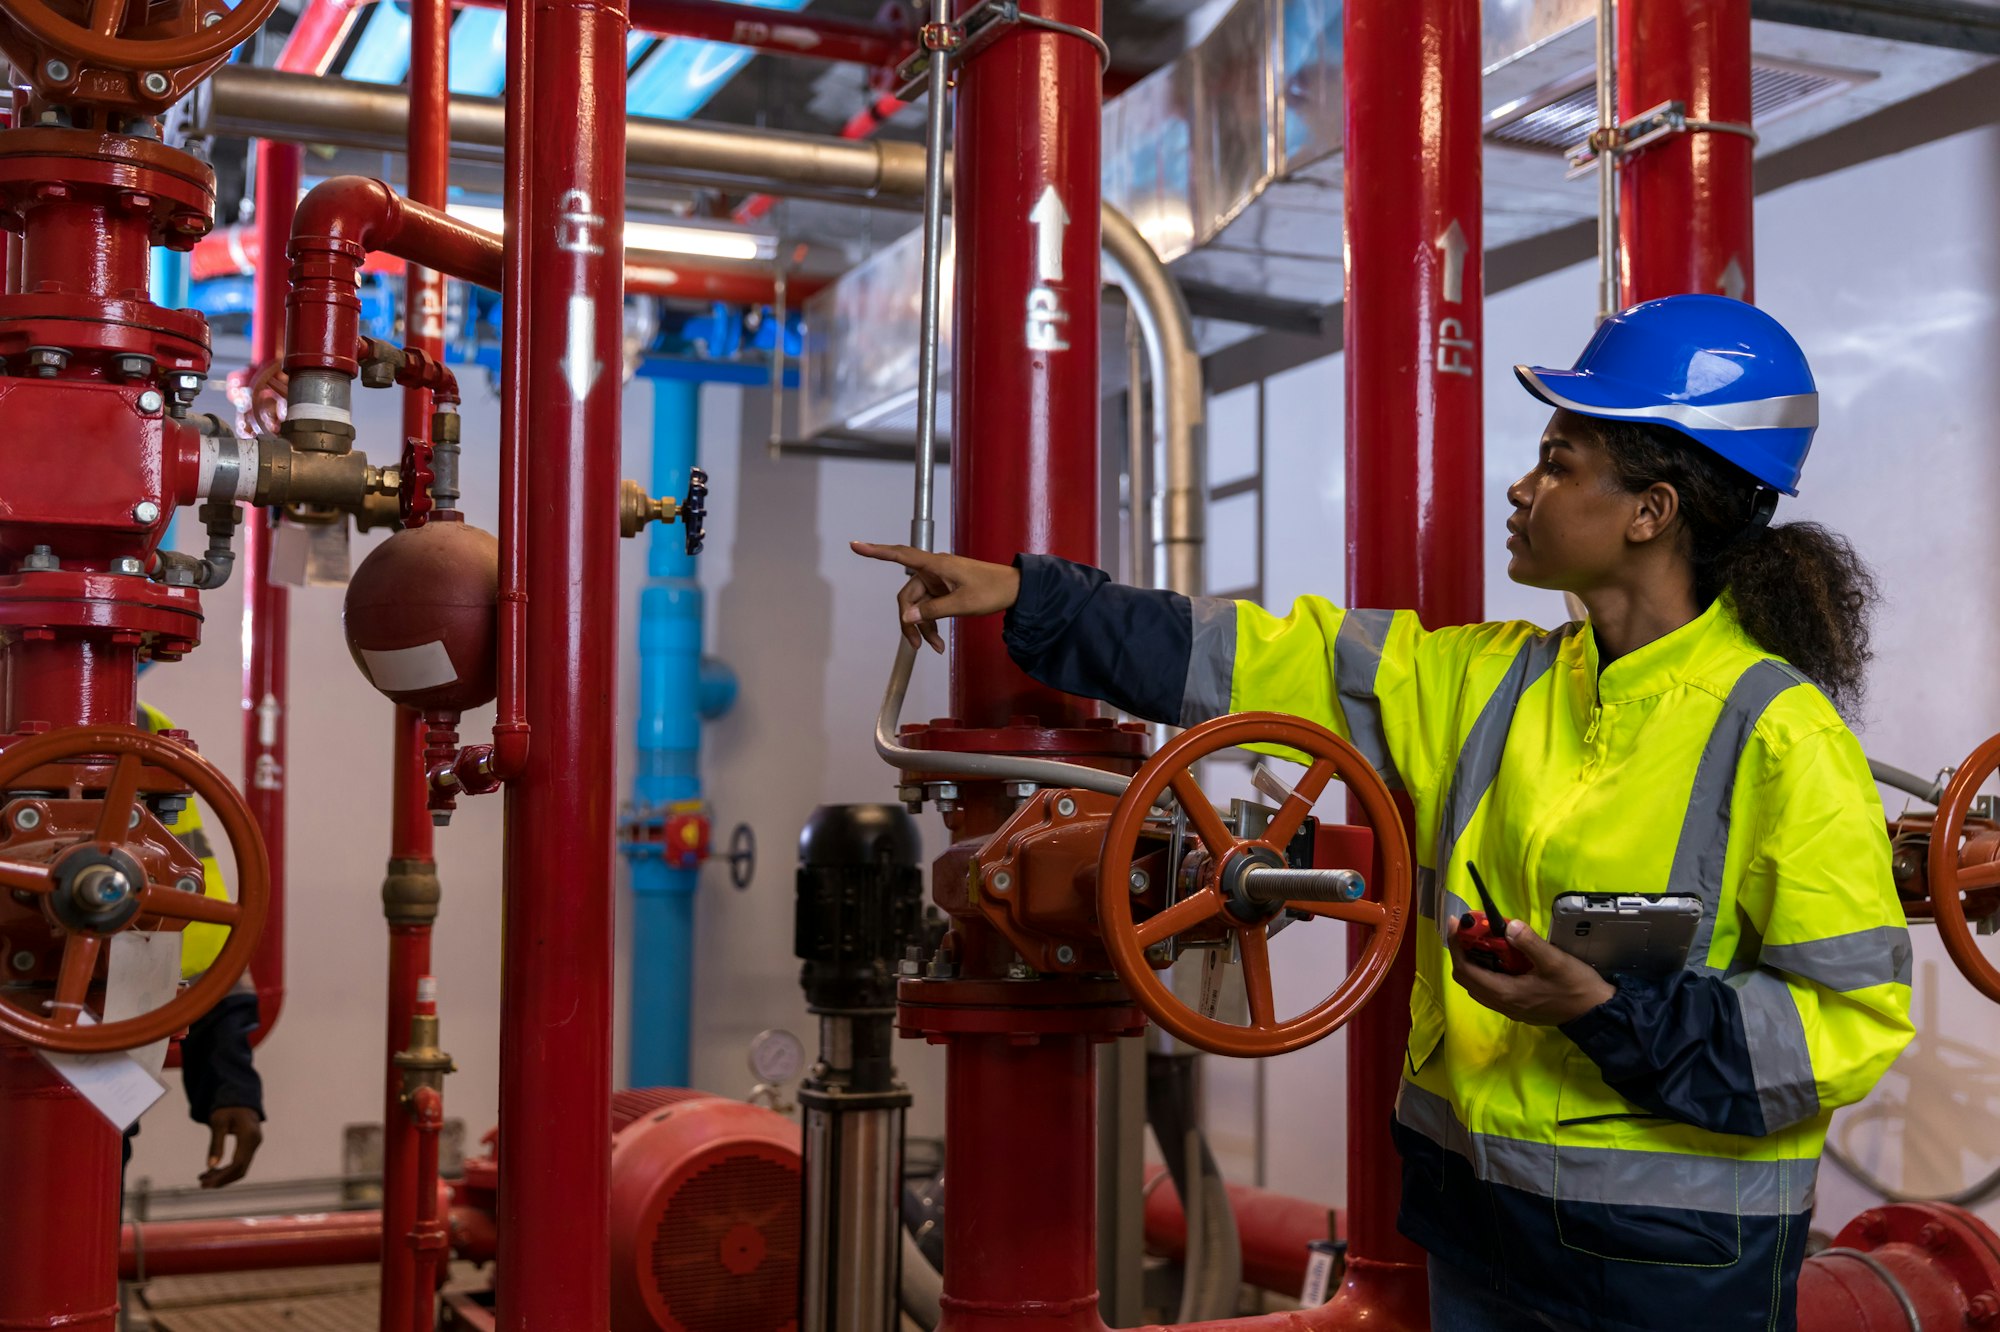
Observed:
{"x":1653,"y":516}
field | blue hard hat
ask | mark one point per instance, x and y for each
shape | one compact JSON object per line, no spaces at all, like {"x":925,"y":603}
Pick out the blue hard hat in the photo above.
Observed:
{"x":1723,"y":373}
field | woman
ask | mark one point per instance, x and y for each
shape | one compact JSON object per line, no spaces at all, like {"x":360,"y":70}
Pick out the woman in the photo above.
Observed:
{"x":1579,"y":1152}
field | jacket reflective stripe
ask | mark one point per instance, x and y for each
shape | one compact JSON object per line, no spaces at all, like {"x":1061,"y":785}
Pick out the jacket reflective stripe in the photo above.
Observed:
{"x":1211,"y":659}
{"x":1703,"y":848}
{"x":1478,"y":765}
{"x":1611,"y":1176}
{"x":1357,"y":659}
{"x":1843,"y":962}
{"x":1780,"y":1059}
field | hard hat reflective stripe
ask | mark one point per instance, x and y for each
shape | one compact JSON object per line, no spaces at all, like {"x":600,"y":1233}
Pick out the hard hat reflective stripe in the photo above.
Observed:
{"x":1615,"y":1177}
{"x":1357,"y":660}
{"x":1797,"y":411}
{"x":1211,"y":659}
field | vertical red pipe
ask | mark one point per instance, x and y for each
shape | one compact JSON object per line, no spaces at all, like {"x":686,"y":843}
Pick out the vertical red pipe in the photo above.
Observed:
{"x":428,"y":1238}
{"x":555,"y":1017}
{"x":267,"y":605}
{"x":1413,"y":331}
{"x":1025,"y":409}
{"x":59,"y":1219}
{"x":1685,"y":202}
{"x":410,"y":835}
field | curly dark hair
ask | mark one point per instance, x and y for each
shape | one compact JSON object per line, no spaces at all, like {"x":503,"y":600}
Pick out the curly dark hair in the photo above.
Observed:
{"x":1800,"y":590}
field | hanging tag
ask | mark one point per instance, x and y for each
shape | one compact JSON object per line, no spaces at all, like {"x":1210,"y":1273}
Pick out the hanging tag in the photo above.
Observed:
{"x":115,"y":1083}
{"x":310,"y":554}
{"x":144,"y":973}
{"x":1320,"y":1263}
{"x":1213,"y":964}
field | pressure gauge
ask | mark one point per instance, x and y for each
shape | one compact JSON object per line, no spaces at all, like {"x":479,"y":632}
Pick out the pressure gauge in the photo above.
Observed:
{"x":776,"y":1056}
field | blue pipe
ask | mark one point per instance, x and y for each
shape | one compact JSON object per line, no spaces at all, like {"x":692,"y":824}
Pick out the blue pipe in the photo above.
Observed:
{"x":667,"y":774}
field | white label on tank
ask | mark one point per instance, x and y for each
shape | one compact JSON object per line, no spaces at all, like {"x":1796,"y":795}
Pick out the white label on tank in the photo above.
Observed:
{"x":399,"y":670}
{"x":116,"y":1083}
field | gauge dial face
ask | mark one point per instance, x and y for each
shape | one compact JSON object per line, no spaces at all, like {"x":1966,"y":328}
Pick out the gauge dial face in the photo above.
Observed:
{"x":777,"y":1056}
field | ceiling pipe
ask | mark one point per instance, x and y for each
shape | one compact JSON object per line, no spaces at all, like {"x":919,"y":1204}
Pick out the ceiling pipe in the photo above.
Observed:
{"x":247,"y":102}
{"x":770,"y":31}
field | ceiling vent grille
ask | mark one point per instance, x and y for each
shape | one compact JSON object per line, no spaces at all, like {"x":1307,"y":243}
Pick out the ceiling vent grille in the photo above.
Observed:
{"x":1561,"y":116}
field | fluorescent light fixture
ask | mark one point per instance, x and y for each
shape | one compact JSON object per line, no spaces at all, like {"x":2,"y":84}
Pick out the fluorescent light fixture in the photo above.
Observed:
{"x":656,"y":237}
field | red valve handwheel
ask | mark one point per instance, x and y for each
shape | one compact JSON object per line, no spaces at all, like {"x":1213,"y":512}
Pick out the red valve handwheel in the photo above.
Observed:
{"x":135,"y":751}
{"x":1948,"y":879}
{"x":94,"y":38}
{"x":1385,"y":912}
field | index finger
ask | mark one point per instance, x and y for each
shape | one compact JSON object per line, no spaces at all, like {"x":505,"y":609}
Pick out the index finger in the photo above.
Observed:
{"x":908,"y":556}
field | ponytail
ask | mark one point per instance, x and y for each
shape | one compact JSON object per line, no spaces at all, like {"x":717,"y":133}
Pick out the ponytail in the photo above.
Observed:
{"x":1800,"y":591}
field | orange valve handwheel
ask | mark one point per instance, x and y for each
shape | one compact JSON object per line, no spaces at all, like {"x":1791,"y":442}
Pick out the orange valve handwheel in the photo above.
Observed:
{"x":96,"y":34}
{"x":1246,"y":885}
{"x":96,"y":876}
{"x":1949,"y":879}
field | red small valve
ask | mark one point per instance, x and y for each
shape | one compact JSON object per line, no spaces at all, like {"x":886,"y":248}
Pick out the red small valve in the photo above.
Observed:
{"x":685,"y":842}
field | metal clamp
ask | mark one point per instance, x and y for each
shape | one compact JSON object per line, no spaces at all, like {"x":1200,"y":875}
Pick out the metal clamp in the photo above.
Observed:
{"x":1644,"y":130}
{"x":976,"y":29}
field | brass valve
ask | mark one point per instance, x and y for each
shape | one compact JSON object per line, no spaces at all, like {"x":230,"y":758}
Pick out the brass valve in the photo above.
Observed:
{"x":636,"y":509}
{"x":424,"y":1064}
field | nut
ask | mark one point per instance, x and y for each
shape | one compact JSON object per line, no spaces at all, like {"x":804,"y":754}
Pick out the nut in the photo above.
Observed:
{"x":41,"y":557}
{"x":378,"y":375}
{"x":47,"y":361}
{"x":56,"y":71}
{"x":1140,"y":881}
{"x":1065,"y":954}
{"x":1932,"y":1236}
{"x":184,"y":384}
{"x":150,"y":401}
{"x":132,"y":367}
{"x":210,"y":19}
{"x":155,"y":83}
{"x":1019,"y":790}
{"x":128,"y":564}
{"x":145,"y":511}
{"x":1066,"y":807}
{"x":1001,"y":881}
{"x":27,"y":818}
{"x":1020,"y":971}
{"x":1985,"y":1307}
{"x":188,"y":884}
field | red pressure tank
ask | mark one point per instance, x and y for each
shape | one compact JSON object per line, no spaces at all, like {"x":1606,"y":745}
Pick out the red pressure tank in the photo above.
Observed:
{"x":421,"y":616}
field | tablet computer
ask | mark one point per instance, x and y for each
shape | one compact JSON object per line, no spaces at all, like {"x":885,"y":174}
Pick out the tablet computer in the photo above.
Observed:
{"x":1626,"y":934}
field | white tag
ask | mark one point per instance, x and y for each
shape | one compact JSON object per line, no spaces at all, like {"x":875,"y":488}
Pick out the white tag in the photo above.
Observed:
{"x":144,"y":974}
{"x":399,"y":669}
{"x":328,"y":562}
{"x":1319,"y":1276}
{"x":115,"y":1083}
{"x":1212,"y":964}
{"x":289,"y":548}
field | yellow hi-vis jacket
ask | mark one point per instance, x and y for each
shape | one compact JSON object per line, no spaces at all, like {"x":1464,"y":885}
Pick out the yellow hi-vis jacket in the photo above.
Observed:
{"x":1651,"y":1164}
{"x":200,"y":942}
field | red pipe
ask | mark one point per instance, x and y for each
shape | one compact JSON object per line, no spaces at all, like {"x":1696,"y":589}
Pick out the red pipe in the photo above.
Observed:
{"x":790,"y":33}
{"x":1025,"y":416}
{"x":555,"y":1010}
{"x":337,"y":224}
{"x":262,"y":1243}
{"x":665,"y":275}
{"x":510,"y":709}
{"x":317,"y":37}
{"x":1414,"y":478}
{"x":267,"y":605}
{"x":1273,"y":1230}
{"x":1685,"y":202}
{"x":428,"y":1239}
{"x":411,"y":844}
{"x":59,"y":1158}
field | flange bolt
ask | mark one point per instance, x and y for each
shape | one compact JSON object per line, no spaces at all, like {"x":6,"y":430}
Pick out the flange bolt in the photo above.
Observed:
{"x":155,"y":83}
{"x":145,"y":511}
{"x":56,"y":71}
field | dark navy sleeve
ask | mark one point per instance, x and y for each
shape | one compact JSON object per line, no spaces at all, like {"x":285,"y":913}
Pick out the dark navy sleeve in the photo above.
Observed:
{"x":1074,"y":629}
{"x":1679,"y":1049}
{"x":216,"y":1068}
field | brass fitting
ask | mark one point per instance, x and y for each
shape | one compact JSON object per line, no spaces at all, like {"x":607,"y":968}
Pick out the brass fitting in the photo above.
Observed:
{"x":424,"y":1064}
{"x":289,"y":475}
{"x":318,"y":436}
{"x":636,"y":508}
{"x":378,"y":509}
{"x":411,"y":892}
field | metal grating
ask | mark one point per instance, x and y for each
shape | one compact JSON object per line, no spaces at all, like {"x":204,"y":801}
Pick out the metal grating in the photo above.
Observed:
{"x":726,"y":1255}
{"x":361,"y":1312}
{"x":191,"y":1292}
{"x":1561,"y":121}
{"x":639,"y":1102}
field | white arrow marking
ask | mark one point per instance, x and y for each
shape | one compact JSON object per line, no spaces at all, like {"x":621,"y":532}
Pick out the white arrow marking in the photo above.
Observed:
{"x":1454,"y":245}
{"x":1732,"y":281}
{"x":580,"y":364}
{"x":268,"y":713}
{"x":1048,"y":217}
